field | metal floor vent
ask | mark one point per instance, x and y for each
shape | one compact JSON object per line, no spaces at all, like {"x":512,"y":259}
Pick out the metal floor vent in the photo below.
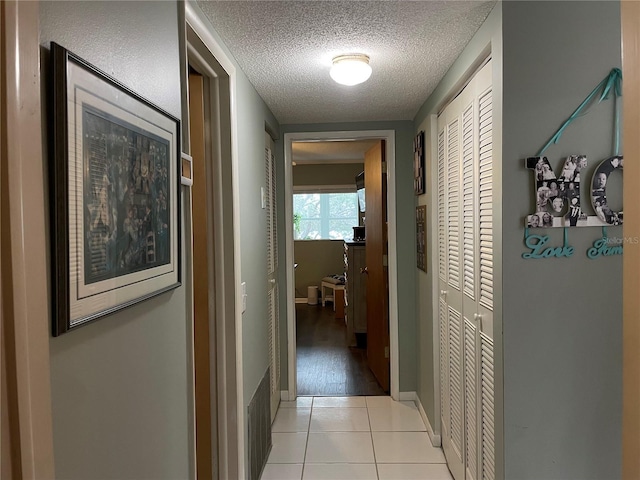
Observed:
{"x":259,"y":419}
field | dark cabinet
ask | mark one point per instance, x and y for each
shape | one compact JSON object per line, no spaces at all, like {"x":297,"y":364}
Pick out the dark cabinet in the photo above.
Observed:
{"x":356,"y":290}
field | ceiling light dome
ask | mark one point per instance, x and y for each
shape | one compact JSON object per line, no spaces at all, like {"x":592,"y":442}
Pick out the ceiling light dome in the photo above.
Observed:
{"x":351,"y":69}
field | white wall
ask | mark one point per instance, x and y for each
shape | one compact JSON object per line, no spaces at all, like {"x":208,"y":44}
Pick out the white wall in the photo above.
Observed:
{"x":120,"y":386}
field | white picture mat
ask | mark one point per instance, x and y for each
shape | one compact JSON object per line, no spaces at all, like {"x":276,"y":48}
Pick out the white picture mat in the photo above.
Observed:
{"x":87,"y":300}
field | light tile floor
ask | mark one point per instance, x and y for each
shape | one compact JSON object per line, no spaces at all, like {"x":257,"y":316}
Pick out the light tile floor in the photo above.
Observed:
{"x":352,"y":438}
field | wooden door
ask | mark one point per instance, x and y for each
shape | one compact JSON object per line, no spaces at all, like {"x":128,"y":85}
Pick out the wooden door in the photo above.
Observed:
{"x":376,"y":266}
{"x":465,"y":276}
{"x":202,"y":257}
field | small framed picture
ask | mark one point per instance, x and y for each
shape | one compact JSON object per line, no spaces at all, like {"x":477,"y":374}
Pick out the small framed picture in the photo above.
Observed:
{"x":115,"y":195}
{"x":421,"y":237}
{"x":418,"y":164}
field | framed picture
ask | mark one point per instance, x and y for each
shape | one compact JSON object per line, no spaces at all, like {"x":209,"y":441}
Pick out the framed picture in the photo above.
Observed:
{"x":115,"y":195}
{"x":418,"y":163}
{"x":421,"y":237}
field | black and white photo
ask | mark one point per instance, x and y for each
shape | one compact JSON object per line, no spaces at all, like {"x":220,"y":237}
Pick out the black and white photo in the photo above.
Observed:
{"x":599,"y":190}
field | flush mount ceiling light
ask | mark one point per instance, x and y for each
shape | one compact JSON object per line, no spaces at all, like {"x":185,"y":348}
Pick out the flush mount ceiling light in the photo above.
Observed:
{"x":351,"y":69}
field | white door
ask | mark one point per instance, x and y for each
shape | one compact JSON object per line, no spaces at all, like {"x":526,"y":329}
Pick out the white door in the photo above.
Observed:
{"x":465,"y":279}
{"x":272,"y":267}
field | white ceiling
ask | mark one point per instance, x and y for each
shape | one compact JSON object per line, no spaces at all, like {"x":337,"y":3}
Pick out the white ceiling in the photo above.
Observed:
{"x":285,"y":49}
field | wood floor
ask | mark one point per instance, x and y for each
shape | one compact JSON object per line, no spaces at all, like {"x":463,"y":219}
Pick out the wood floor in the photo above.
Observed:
{"x":326,"y":365}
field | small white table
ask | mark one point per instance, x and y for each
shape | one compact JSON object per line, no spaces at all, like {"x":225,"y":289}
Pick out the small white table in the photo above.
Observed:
{"x":333,"y":287}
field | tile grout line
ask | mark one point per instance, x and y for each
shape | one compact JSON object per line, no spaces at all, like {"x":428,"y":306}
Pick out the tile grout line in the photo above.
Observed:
{"x":306,"y":446}
{"x":373,"y":447}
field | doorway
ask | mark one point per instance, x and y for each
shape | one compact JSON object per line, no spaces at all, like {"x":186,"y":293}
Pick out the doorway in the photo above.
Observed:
{"x":388,"y":136}
{"x":201,"y":234}
{"x":218,"y":410}
{"x":331,"y":293}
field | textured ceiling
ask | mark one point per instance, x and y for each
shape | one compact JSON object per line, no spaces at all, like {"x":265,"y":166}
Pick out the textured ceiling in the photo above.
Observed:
{"x":285,"y":48}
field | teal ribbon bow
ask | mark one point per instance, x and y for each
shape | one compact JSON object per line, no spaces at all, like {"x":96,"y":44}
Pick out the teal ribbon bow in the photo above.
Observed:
{"x":612,"y":83}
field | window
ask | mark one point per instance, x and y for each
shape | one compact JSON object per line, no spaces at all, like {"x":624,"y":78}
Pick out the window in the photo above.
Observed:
{"x":324,"y":216}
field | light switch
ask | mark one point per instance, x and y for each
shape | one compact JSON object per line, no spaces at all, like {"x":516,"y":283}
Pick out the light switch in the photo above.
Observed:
{"x":244,"y":296}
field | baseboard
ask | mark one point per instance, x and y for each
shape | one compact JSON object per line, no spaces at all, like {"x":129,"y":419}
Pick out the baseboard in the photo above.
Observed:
{"x":301,"y":299}
{"x":436,"y":440}
{"x":407,"y":396}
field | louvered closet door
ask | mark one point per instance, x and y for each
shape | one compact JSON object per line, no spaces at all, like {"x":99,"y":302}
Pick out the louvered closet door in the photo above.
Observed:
{"x":272,"y":266}
{"x":484,"y":322}
{"x":466,"y":279}
{"x":451,"y":282}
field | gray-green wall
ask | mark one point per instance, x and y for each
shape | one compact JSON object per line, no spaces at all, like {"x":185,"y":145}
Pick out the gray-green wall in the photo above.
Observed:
{"x":316,"y":259}
{"x":253,"y":114}
{"x":120,"y":386}
{"x":329,"y":174}
{"x":406,"y":257}
{"x":562,"y":317}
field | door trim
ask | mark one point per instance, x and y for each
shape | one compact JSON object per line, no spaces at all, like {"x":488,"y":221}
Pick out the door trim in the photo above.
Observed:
{"x":207,"y":53}
{"x":389,"y":137}
{"x":25,"y":317}
{"x":631,"y":229}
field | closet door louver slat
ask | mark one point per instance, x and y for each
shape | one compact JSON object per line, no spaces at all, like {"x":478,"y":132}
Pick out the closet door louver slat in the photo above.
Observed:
{"x":471,"y":398}
{"x":487,"y":409}
{"x":485,"y":199}
{"x":444,"y":362}
{"x":456,"y":381}
{"x":468,"y":205}
{"x":274,"y":333}
{"x":453,"y":203}
{"x":274,"y":214}
{"x":267,"y":201}
{"x":442,"y":201}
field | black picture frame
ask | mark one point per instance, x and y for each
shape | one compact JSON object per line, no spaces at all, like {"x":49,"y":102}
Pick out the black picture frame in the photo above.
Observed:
{"x":115,"y":194}
{"x":421,"y":237}
{"x":418,"y":164}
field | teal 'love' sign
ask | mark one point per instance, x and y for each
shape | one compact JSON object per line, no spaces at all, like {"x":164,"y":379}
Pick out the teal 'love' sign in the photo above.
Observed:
{"x":537,"y":244}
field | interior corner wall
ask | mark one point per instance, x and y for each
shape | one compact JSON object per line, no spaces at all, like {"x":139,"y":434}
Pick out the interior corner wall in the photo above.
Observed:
{"x":405,"y":223}
{"x":120,"y":386}
{"x":562,"y":317}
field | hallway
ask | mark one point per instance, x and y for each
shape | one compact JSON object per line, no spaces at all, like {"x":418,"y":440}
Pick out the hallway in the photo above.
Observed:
{"x":352,"y":438}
